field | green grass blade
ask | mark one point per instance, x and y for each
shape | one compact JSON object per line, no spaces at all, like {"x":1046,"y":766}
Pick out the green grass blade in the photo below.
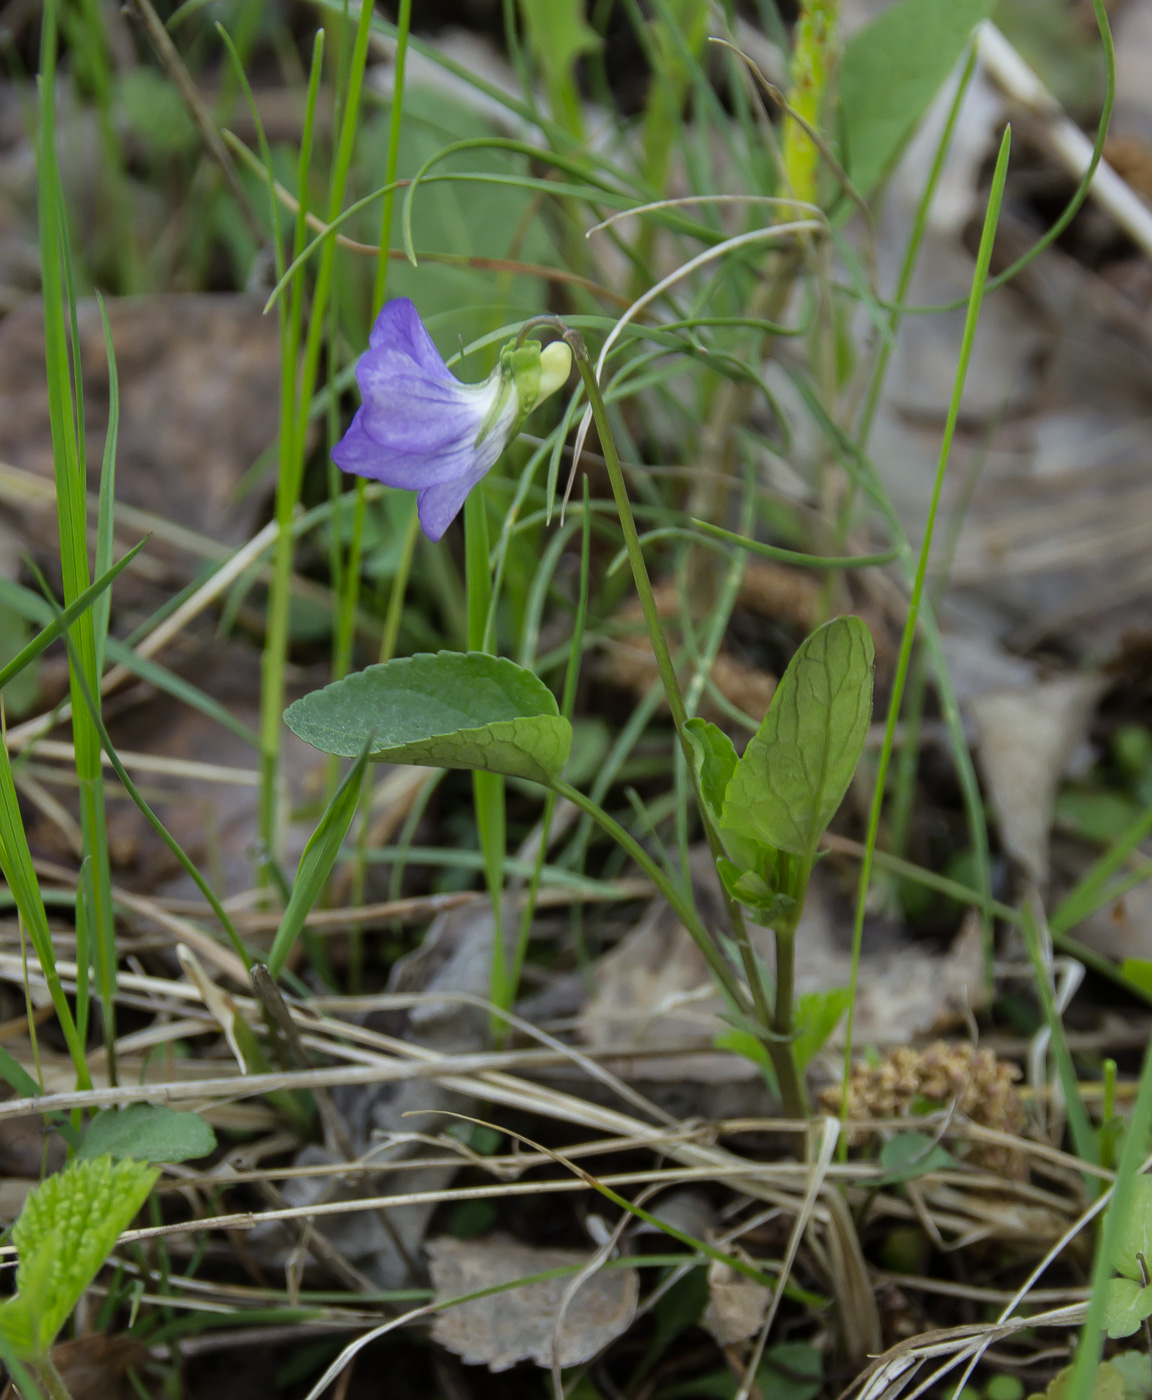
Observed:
{"x":107,"y":508}
{"x":916,"y":600}
{"x":16,"y":862}
{"x":71,"y":506}
{"x":317,"y":861}
{"x":62,"y":621}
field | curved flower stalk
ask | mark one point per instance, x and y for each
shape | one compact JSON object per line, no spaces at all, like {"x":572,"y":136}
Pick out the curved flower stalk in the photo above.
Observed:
{"x":420,"y":429}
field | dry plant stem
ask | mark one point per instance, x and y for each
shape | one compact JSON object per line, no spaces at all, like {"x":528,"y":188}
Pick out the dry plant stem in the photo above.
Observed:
{"x":173,"y":65}
{"x":779,"y":1051}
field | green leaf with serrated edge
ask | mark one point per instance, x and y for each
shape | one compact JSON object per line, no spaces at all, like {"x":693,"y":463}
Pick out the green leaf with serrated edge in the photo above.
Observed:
{"x":817,"y":1014}
{"x":1109,"y":1383}
{"x":65,"y":1232}
{"x":909,"y":1155}
{"x":891,"y":70}
{"x":1133,"y":1366}
{"x":1126,"y":1305}
{"x":148,"y":1132}
{"x":445,"y":710}
{"x":1135,"y":1237}
{"x":797,"y":766}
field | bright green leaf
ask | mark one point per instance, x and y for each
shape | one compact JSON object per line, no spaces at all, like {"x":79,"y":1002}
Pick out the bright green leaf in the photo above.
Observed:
{"x":1135,"y":1236}
{"x":714,"y":758}
{"x":148,"y":1133}
{"x":1126,"y":1305}
{"x":817,"y":1015}
{"x":1133,"y":1366}
{"x":1109,"y":1383}
{"x":1004,"y":1387}
{"x":797,"y":766}
{"x":448,"y":710}
{"x":65,"y":1232}
{"x":891,"y":70}
{"x":1139,"y":972}
{"x":765,"y":904}
{"x":909,"y":1155}
{"x":318,"y":859}
{"x":557,"y":36}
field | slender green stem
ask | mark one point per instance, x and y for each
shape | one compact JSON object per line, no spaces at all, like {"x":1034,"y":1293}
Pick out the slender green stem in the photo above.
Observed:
{"x":1080,"y":1125}
{"x":296,"y":396}
{"x":917,"y":597}
{"x":675,"y":896}
{"x":789,"y":1084}
{"x":567,"y":706}
{"x":52,"y":1380}
{"x":350,"y":592}
{"x":487,"y":788}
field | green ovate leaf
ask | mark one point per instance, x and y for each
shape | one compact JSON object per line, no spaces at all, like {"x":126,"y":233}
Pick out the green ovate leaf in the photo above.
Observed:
{"x":909,"y":1155}
{"x":891,"y":70}
{"x":714,"y":758}
{"x":1109,"y":1384}
{"x":1135,"y":1237}
{"x":448,"y":710}
{"x":148,"y":1132}
{"x":817,"y":1015}
{"x":65,"y":1232}
{"x":1126,"y":1305}
{"x":797,"y":766}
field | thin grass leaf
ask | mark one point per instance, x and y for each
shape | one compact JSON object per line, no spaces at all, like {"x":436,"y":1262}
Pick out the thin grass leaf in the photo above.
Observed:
{"x":105,"y":518}
{"x":317,"y":861}
{"x":16,"y":863}
{"x":917,"y":602}
{"x":61,"y":621}
{"x":67,"y":429}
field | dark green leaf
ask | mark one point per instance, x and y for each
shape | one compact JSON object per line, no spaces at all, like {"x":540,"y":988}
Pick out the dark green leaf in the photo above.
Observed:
{"x":797,"y":767}
{"x":448,"y":710}
{"x":892,"y":69}
{"x":148,"y":1133}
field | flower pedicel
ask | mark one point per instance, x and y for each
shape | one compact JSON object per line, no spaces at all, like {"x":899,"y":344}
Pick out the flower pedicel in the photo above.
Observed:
{"x":420,"y":429}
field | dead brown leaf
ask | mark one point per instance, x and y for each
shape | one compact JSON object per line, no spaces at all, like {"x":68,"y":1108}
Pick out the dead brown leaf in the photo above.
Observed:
{"x":736,"y":1304}
{"x":519,"y":1324}
{"x":1026,"y":737}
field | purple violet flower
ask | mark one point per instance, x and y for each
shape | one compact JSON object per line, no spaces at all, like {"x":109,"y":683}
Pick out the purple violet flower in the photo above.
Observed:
{"x":420,"y":429}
